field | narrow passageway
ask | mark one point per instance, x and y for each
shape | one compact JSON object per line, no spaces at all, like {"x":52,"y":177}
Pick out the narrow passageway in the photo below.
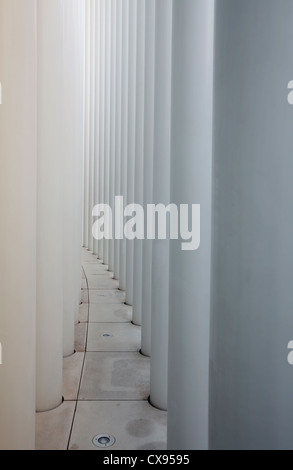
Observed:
{"x":157,"y":135}
{"x":106,"y":382}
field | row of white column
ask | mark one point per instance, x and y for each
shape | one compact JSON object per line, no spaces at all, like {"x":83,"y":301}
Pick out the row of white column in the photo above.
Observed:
{"x":41,"y":148}
{"x":120,"y":79}
{"x":152,"y":61}
{"x":170,"y":73}
{"x":149,"y":152}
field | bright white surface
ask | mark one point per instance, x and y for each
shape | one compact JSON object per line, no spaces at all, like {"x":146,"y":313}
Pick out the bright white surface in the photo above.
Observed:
{"x":18,"y":161}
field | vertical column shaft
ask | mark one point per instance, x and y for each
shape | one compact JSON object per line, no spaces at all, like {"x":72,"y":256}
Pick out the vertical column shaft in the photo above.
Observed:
{"x":124,"y":131}
{"x":148,"y":170}
{"x":79,"y":126}
{"x":118,"y":124}
{"x":191,"y":170}
{"x":131,"y":139}
{"x":108,"y":45}
{"x":92,"y":71}
{"x":161,"y":195}
{"x":97,"y":114}
{"x":18,"y":160}
{"x":102,"y":117}
{"x":113,"y":143}
{"x":252,"y":324}
{"x":139,"y":156}
{"x":50,"y":204}
{"x":72,"y":168}
{"x":87,"y":88}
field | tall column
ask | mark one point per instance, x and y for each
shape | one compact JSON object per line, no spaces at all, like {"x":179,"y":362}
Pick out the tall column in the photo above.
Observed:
{"x":252,"y":324}
{"x":139,"y":157}
{"x":161,"y":195}
{"x":191,"y":170}
{"x":50,"y":204}
{"x":97,"y":113}
{"x":113,"y":79}
{"x":118,"y":123}
{"x":124,"y":131}
{"x":108,"y":45}
{"x":131,"y":138}
{"x":72,"y":161}
{"x":69,"y":219}
{"x":18,"y":157}
{"x":102,"y":116}
{"x":148,"y":170}
{"x":79,"y":126}
{"x":92,"y":71}
{"x":87,"y":87}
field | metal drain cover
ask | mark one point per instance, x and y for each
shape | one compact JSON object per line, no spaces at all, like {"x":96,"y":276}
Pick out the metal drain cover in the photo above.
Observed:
{"x":104,"y":440}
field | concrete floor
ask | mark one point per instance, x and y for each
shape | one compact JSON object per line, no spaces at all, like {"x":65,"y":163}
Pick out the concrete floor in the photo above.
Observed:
{"x":106,"y":382}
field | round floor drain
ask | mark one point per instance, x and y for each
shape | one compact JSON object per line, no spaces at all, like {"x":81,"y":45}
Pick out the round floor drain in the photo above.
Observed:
{"x":106,"y":335}
{"x":104,"y":440}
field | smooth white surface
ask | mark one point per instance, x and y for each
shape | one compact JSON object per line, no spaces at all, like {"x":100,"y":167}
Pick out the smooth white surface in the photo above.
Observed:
{"x":139,"y":156}
{"x":102,"y":117}
{"x":124,"y":131}
{"x":191,"y":173}
{"x":131,"y":138}
{"x":92,"y":121}
{"x":50,"y":204}
{"x":148,"y":170}
{"x":18,"y":161}
{"x":79,"y":140}
{"x":107,"y":110}
{"x":72,"y":165}
{"x":161,"y":194}
{"x":87,"y":98}
{"x":97,"y":113}
{"x":68,"y":168}
{"x":118,"y":124}
{"x":113,"y":143}
{"x":252,"y":322}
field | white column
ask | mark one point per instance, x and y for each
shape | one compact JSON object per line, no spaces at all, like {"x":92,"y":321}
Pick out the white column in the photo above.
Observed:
{"x":108,"y":44}
{"x":72,"y":165}
{"x":139,"y":156}
{"x":18,"y":161}
{"x":97,"y":113}
{"x":118,"y":123}
{"x":148,"y":170}
{"x":69,"y":219}
{"x":124,"y":131}
{"x":252,"y":323}
{"x":131,"y":138}
{"x":191,"y":171}
{"x":86,"y":214}
{"x":50,"y":204}
{"x":102,"y":116}
{"x":113,"y":79}
{"x":161,"y":195}
{"x":79,"y":128}
{"x":92,"y":71}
